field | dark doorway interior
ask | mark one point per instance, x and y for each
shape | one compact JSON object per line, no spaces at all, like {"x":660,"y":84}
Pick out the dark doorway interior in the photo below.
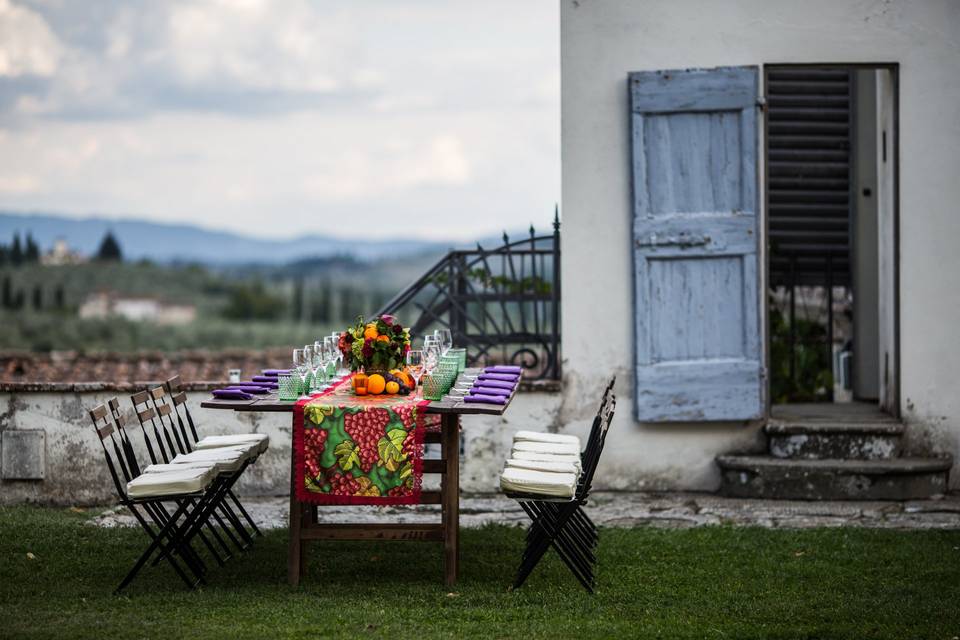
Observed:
{"x":830,"y":233}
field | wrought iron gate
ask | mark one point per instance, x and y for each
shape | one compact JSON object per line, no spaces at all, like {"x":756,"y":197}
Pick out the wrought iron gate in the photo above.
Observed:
{"x":502,"y":304}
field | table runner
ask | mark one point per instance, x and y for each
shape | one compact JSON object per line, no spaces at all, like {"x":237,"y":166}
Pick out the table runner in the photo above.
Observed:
{"x":358,"y":449}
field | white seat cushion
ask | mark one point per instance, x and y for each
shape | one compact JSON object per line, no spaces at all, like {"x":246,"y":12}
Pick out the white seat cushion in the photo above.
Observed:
{"x":226,"y":458}
{"x":547,"y":447}
{"x":217,"y":467}
{"x":543,"y":483}
{"x":537,"y":436}
{"x":261,"y":440}
{"x":170,"y":483}
{"x":544,"y":465}
{"x":546,"y":457}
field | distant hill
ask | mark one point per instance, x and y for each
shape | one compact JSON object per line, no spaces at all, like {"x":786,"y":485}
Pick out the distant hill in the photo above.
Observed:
{"x":184,"y":243}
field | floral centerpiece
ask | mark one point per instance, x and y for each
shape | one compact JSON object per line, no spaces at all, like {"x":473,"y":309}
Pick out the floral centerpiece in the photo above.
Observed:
{"x":378,"y":345}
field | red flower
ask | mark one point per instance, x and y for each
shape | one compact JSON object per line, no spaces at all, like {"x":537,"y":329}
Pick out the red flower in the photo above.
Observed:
{"x":397,"y":329}
{"x":387,"y":319}
{"x":367,"y":351}
{"x":347,"y":337}
{"x":406,"y":348}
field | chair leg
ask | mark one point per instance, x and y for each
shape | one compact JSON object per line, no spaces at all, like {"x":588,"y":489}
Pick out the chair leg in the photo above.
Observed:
{"x":165,"y":531}
{"x":246,"y":516}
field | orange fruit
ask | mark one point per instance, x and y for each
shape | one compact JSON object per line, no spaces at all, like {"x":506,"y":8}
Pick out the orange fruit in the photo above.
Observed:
{"x":407,"y":380}
{"x":371,"y":332}
{"x":393,"y":387}
{"x":376,"y":384}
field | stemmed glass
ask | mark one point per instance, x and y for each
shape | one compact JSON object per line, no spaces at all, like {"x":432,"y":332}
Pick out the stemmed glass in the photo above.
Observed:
{"x":330,"y":357}
{"x":337,"y":355}
{"x":319,"y":370}
{"x":301,"y":366}
{"x":415,"y":365}
{"x":431,"y":353}
{"x":445,"y":338}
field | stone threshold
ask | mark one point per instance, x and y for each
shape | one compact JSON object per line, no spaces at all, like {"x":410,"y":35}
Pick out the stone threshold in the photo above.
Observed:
{"x":681,"y":510}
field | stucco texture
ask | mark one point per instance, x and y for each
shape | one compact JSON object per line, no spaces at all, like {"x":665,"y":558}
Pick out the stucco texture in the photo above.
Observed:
{"x":601,"y":42}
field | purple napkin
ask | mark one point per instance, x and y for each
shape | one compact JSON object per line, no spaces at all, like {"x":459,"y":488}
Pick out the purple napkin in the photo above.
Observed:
{"x":499,"y":384}
{"x":485,"y":399}
{"x":264,"y":378}
{"x":257,"y":390}
{"x":231,"y":394}
{"x":265,"y":385}
{"x":273,"y":373}
{"x":489,"y":391}
{"x":505,"y":377}
{"x":503,"y":368}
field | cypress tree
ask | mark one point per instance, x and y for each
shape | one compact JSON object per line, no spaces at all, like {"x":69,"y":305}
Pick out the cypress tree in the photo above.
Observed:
{"x":16,"y":251}
{"x":109,"y":249}
{"x":37,"y":297}
{"x":32,"y":252}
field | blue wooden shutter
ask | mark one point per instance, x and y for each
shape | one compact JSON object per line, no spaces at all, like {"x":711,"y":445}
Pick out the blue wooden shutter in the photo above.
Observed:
{"x":698,"y":354}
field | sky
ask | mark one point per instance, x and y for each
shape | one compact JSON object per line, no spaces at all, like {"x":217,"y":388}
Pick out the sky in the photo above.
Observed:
{"x":359,"y":118}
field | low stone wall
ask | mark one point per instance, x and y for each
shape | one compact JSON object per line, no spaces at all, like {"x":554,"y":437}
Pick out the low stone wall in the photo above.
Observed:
{"x":46,"y":428}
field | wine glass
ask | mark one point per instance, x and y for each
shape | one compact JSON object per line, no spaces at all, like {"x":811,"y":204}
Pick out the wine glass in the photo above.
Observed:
{"x":415,"y":365}
{"x":301,"y":367}
{"x":319,"y":370}
{"x":330,"y":361}
{"x":431,"y":353}
{"x":445,"y":338}
{"x":341,"y":370}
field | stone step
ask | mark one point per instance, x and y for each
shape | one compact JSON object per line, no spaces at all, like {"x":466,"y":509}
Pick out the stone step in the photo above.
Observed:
{"x":752,"y":476}
{"x":824,"y":440}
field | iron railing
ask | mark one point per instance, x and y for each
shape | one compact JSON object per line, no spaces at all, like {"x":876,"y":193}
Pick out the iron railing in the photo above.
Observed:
{"x":502,"y":304}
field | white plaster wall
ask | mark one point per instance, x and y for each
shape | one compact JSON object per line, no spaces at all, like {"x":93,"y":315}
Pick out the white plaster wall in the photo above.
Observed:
{"x":76,"y":472}
{"x":603,"y":40}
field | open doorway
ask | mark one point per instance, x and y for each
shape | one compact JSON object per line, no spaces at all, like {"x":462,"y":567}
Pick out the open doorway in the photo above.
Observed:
{"x":830,"y":142}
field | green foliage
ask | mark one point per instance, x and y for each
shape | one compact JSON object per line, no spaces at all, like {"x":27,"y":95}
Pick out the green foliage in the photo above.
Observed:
{"x":813,"y":371}
{"x":109,"y":250}
{"x":253,"y":302}
{"x":713,"y":582}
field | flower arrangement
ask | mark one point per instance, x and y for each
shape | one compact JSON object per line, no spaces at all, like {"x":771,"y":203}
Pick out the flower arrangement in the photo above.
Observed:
{"x":380,"y":344}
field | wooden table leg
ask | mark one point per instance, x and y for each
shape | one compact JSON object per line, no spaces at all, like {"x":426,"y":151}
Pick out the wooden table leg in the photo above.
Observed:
{"x":450,"y":430}
{"x":296,"y":517}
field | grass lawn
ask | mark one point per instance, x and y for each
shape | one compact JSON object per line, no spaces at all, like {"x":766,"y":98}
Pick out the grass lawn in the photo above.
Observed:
{"x":715,"y":582}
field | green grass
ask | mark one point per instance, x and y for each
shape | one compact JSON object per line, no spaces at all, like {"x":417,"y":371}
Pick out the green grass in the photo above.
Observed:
{"x":716,"y":582}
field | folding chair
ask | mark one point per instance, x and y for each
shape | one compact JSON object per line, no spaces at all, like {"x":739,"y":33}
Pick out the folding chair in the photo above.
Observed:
{"x":193,"y":490}
{"x":168,"y":452}
{"x":131,"y":469}
{"x":188,"y":431}
{"x":561,"y":522}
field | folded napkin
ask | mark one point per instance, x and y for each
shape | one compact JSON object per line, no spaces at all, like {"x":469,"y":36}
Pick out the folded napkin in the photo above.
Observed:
{"x":489,"y":391}
{"x":273,"y":373}
{"x":254,"y":384}
{"x":264,"y":378}
{"x":505,"y":377}
{"x":499,"y":384}
{"x":256,"y":390}
{"x":503,"y":368}
{"x":231,"y":394}
{"x":485,"y":399}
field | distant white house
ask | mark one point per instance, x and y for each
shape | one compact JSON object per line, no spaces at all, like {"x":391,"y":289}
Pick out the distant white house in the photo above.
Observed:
{"x":61,"y":254}
{"x":714,"y":150}
{"x":104,"y":304}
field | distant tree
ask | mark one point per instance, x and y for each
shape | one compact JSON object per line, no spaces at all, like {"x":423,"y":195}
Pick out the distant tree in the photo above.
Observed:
{"x":32,"y":252}
{"x":4,"y":254}
{"x":16,"y":251}
{"x":297,"y":303}
{"x":37,"y":297}
{"x":58,"y":297}
{"x":6,"y":295}
{"x":253,"y":302}
{"x":109,"y":249}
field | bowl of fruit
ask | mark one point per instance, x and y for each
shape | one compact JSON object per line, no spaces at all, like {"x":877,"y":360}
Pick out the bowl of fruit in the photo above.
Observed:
{"x":394,"y":382}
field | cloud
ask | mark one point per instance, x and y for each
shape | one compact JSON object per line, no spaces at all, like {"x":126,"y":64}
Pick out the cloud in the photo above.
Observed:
{"x":27,"y":45}
{"x":436,"y":118}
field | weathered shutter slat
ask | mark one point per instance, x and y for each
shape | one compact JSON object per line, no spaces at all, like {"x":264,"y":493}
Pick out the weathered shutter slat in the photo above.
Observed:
{"x":698,"y":347}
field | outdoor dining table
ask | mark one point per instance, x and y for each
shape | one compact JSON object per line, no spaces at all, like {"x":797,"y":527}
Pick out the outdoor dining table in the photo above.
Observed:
{"x":304,"y":523}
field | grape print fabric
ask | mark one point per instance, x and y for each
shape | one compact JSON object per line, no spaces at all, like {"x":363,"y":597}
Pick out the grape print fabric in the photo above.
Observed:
{"x":358,"y":449}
